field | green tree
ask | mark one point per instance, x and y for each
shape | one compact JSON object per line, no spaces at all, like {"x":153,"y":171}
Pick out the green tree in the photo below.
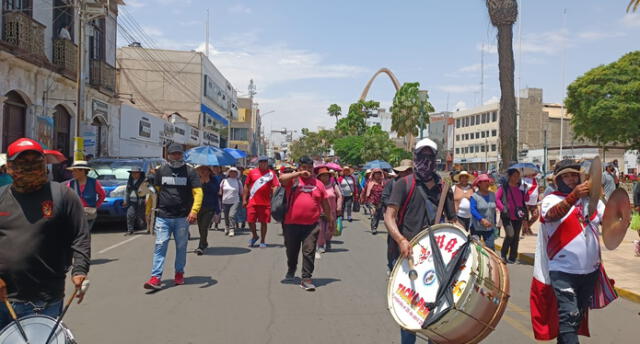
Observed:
{"x":398,"y":154}
{"x":503,"y":14}
{"x":334,"y":110}
{"x":378,"y":144}
{"x":633,"y":5}
{"x":311,"y":143}
{"x":409,"y":111}
{"x":605,"y":103}
{"x":349,"y":149}
{"x":355,"y":123}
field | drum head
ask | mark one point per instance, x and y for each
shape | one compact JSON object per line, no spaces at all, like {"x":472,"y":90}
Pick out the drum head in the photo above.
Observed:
{"x":37,"y":328}
{"x":408,"y":299}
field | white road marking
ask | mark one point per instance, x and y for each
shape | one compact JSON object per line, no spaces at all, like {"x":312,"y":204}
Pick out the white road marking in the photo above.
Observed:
{"x":118,"y":244}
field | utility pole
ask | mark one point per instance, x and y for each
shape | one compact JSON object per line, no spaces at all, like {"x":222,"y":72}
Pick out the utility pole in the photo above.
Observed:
{"x":544,"y":165}
{"x":78,"y":141}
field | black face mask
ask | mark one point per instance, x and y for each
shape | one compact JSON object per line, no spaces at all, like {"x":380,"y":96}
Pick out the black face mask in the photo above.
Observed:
{"x":424,"y":164}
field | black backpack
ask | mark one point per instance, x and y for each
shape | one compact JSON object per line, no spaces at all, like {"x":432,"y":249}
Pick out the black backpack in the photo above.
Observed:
{"x":280,"y":202}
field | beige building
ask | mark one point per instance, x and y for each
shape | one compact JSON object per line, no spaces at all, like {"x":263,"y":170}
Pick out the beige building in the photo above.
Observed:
{"x":245,"y":130}
{"x":38,"y":63}
{"x":476,"y":137}
{"x":163,"y":82}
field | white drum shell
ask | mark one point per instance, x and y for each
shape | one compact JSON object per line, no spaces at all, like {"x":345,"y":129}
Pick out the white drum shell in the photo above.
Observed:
{"x":37,"y":328}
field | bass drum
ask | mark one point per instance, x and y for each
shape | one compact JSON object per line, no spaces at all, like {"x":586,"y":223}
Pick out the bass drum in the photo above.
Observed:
{"x":37,"y":328}
{"x":480,"y":292}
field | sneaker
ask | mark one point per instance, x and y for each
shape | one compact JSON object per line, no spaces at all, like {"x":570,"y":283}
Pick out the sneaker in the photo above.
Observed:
{"x":199,"y":251}
{"x":128,"y":233}
{"x":511,"y":261}
{"x":350,"y":219}
{"x":290,"y":277}
{"x":263,"y":245}
{"x":226,"y":231}
{"x":307,"y":284}
{"x":374,"y":231}
{"x":320,"y":250}
{"x":179,"y":278}
{"x":253,"y":241}
{"x":232,"y":233}
{"x":153,"y":283}
{"x":318,"y":256}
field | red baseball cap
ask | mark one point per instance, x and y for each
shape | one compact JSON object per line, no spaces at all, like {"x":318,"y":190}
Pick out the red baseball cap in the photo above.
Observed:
{"x":22,"y":145}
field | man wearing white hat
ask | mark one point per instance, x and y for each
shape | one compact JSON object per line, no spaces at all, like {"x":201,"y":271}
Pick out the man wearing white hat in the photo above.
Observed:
{"x":413,"y":205}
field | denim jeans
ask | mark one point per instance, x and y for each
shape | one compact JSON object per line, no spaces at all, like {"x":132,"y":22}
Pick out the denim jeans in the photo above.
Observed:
{"x":24,"y":308}
{"x":165,"y":227}
{"x":488,"y":237}
{"x":347,"y":206}
{"x":574,"y":293}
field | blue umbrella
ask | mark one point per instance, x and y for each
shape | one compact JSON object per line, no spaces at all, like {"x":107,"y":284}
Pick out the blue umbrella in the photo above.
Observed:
{"x":236,"y":153}
{"x":525,"y":168}
{"x":377,"y":164}
{"x":209,"y":156}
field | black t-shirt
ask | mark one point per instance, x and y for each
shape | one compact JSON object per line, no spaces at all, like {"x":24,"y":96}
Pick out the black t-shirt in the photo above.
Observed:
{"x":175,"y":198}
{"x":39,"y":240}
{"x":419,"y":214}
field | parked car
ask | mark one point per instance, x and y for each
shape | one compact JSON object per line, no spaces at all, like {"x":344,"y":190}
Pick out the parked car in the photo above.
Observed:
{"x":113,"y":175}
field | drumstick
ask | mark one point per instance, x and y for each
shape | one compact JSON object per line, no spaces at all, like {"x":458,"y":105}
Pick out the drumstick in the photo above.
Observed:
{"x":15,"y":319}
{"x":82,"y":291}
{"x":443,"y":197}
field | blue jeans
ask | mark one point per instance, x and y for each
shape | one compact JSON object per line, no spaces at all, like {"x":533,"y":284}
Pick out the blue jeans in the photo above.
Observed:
{"x":407,"y":337}
{"x":179,"y":227}
{"x":488,"y":237}
{"x":23,"y":309}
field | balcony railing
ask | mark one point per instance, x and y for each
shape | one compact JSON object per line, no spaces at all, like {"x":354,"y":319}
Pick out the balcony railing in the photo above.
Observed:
{"x":102,"y":76}
{"x":23,"y":33}
{"x":65,"y":56}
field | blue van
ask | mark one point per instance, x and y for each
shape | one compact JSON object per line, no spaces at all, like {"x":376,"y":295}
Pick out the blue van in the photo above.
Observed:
{"x":113,"y":175}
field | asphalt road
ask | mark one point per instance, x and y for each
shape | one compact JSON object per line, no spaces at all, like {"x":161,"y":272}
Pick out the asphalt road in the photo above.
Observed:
{"x":234,"y":294}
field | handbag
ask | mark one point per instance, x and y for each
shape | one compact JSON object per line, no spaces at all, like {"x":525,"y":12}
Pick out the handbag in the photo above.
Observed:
{"x":604,"y":292}
{"x":635,"y":221}
{"x":90,"y":213}
{"x":521,"y":211}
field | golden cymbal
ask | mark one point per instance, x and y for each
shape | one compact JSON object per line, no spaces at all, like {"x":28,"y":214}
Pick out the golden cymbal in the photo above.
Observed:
{"x":616,"y":219}
{"x":595,"y":176}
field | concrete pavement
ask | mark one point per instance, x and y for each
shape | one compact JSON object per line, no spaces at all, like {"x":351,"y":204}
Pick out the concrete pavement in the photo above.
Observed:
{"x":234,"y":294}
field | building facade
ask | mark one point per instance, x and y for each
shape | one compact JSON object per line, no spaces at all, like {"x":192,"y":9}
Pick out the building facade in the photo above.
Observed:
{"x":441,"y":130}
{"x":38,"y":74}
{"x":185,"y":82}
{"x":245,"y":130}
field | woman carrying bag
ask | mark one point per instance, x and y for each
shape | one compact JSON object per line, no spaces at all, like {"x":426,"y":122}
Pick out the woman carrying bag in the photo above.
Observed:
{"x":89,"y":189}
{"x":510,"y":201}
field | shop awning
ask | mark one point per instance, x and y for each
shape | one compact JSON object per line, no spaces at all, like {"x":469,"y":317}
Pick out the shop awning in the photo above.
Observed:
{"x":213,"y":114}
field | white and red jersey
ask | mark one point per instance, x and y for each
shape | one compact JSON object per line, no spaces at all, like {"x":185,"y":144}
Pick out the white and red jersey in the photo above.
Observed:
{"x":530,"y":186}
{"x":572,"y":246}
{"x":569,"y":245}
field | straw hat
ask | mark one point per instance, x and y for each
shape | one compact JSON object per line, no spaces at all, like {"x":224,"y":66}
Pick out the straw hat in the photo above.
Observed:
{"x":233,"y":169}
{"x":79,"y":165}
{"x":463,"y":173}
{"x":405,"y":164}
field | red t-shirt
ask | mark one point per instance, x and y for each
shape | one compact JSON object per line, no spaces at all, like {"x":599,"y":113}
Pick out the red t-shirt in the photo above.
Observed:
{"x":306,"y":204}
{"x":262,"y":197}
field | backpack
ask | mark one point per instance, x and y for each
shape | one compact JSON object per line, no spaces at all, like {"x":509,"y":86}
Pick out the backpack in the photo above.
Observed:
{"x":280,"y":202}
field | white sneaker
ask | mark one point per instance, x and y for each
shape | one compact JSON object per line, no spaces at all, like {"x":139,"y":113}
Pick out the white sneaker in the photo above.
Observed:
{"x":232,"y":233}
{"x":226,"y":231}
{"x":318,"y":256}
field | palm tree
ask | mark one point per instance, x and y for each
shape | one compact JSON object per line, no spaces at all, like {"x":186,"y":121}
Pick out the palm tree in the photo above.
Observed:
{"x":633,"y":5}
{"x":503,"y":14}
{"x":334,"y":110}
{"x":406,"y":112}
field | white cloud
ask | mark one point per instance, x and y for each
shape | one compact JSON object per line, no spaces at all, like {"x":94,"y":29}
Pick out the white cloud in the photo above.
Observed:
{"x":631,"y":20}
{"x":241,"y":58}
{"x":460,"y":106}
{"x":492,"y":100}
{"x":549,"y":43}
{"x":598,"y":35}
{"x":459,"y":88}
{"x":240,"y":8}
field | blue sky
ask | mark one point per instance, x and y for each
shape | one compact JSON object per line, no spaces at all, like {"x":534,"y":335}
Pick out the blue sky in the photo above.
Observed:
{"x":305,"y":55}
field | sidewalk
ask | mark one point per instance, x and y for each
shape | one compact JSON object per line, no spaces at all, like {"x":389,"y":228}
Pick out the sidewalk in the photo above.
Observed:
{"x":621,"y":264}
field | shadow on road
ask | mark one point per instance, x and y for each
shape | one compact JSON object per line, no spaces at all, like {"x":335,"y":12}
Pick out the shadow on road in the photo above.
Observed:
{"x":377,"y":232}
{"x":206,"y":281}
{"x":321,"y":282}
{"x":225,"y":251}
{"x":337,"y":242}
{"x":338,"y":250}
{"x":101,"y":261}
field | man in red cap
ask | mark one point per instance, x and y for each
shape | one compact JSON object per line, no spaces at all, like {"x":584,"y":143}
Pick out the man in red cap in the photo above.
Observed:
{"x":43,"y":232}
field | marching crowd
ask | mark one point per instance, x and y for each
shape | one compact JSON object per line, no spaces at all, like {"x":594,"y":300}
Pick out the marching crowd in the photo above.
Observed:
{"x":310,"y":200}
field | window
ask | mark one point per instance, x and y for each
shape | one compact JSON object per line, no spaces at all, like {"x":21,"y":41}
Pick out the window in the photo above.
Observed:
{"x":466,"y":121}
{"x":466,"y":136}
{"x":494,"y":116}
{"x":24,"y":6}
{"x":478,"y":119}
{"x":62,"y":125}
{"x":457,"y":137}
{"x":493,"y":148}
{"x":477,"y":135}
{"x":483,"y":134}
{"x":487,"y":130}
{"x":240,"y":134}
{"x":458,"y":123}
{"x":473,"y":120}
{"x":97,"y":41}
{"x":482,"y":148}
{"x":494,"y":132}
{"x":457,"y":150}
{"x":484,"y":118}
{"x":466,"y":150}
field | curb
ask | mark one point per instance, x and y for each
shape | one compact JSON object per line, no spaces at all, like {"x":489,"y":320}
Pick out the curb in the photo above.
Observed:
{"x":624,"y":293}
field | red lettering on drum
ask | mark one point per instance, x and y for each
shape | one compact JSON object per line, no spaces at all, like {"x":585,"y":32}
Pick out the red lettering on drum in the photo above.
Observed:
{"x":413,"y":299}
{"x":451,"y":244}
{"x":440,"y":240}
